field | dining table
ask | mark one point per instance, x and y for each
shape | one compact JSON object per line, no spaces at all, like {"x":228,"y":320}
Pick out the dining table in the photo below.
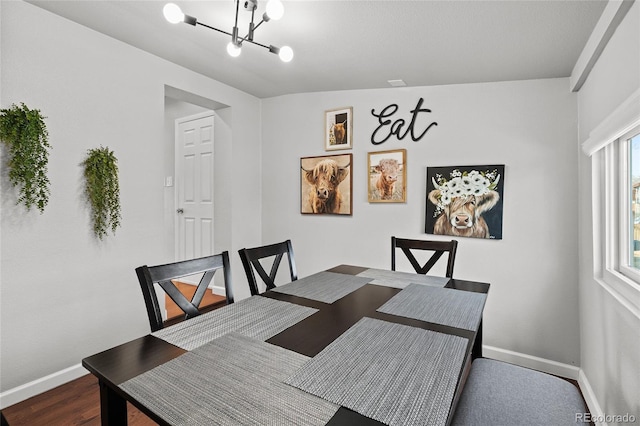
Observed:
{"x":349,"y":345}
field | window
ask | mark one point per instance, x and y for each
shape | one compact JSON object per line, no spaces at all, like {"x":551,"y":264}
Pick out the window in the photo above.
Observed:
{"x":614,"y":147}
{"x":634,"y":200}
{"x":616,"y":206}
{"x":629,"y":205}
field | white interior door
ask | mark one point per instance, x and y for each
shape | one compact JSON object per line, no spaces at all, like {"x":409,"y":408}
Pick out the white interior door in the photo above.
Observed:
{"x":194,"y":186}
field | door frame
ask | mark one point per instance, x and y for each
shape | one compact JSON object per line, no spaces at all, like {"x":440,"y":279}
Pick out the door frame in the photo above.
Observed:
{"x":179,"y":121}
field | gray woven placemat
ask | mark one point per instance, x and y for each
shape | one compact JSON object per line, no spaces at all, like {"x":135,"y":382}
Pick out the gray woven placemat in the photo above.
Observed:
{"x":447,"y":306}
{"x":234,"y":380}
{"x":401,"y":279}
{"x":396,"y":374}
{"x":258,"y":317}
{"x":324,"y":287}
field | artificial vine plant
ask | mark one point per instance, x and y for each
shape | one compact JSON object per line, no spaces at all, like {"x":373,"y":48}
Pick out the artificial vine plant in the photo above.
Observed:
{"x":25,"y":135}
{"x":102,"y":190}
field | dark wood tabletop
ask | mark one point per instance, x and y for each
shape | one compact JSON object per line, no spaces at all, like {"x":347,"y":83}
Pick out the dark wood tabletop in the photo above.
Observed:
{"x":308,"y":337}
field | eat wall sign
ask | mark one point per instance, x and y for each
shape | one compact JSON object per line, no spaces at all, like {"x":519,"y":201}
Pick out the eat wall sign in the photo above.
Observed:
{"x":387,"y":127}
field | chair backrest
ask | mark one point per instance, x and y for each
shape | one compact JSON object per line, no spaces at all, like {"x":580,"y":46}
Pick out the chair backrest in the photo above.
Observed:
{"x":251,"y":261}
{"x":163,"y":276}
{"x":438,"y":248}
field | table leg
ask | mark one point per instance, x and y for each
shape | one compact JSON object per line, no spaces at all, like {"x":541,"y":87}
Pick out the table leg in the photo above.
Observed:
{"x":476,"y":351}
{"x":113,"y":408}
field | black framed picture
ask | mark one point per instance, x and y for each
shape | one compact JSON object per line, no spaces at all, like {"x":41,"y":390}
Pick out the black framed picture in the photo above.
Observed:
{"x":465,"y":201}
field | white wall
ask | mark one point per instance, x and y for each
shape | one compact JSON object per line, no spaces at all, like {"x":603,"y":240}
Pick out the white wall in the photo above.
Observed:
{"x":529,"y":126}
{"x":66,"y":296}
{"x":610,"y":334}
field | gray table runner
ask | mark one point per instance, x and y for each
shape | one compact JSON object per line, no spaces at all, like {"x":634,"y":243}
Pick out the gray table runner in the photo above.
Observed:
{"x":396,"y":374}
{"x":257,"y":317}
{"x":401,"y":279}
{"x":324,"y":287}
{"x":455,"y":308}
{"x":234,"y":380}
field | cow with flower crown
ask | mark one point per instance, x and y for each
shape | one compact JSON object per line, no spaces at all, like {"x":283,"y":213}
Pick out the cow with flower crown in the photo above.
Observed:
{"x":461,"y":200}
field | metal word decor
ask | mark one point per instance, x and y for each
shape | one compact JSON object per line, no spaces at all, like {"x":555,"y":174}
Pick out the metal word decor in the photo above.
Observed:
{"x":387,"y":127}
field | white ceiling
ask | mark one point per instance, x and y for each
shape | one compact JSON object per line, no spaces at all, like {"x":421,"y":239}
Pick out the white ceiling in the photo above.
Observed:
{"x":342,"y":45}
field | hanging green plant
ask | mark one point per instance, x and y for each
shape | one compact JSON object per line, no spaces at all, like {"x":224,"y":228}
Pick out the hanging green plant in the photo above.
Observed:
{"x":25,"y":134}
{"x":102,"y":190}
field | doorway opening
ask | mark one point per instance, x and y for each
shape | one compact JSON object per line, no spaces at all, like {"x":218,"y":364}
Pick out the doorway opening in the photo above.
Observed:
{"x":197,"y":148}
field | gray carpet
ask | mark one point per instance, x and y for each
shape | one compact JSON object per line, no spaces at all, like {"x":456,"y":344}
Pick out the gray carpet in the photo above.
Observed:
{"x":257,"y":317}
{"x":455,"y":308}
{"x":234,"y":380}
{"x":396,"y":374}
{"x":498,"y":393}
{"x":324,"y":287}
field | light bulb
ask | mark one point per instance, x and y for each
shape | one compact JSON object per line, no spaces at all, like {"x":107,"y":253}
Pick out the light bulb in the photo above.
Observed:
{"x":233,"y":50}
{"x":172,"y":13}
{"x":275,"y":9}
{"x":286,"y":54}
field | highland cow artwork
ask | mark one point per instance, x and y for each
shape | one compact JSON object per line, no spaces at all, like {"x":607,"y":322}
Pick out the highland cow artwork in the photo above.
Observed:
{"x":388,"y":176}
{"x":465,"y":201}
{"x":338,"y":126}
{"x":325,"y":184}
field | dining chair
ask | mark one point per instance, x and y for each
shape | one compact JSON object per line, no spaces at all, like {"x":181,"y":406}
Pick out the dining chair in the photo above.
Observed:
{"x":3,"y":420}
{"x":251,"y":261}
{"x":499,"y":393}
{"x":437,"y":247}
{"x":165,"y":275}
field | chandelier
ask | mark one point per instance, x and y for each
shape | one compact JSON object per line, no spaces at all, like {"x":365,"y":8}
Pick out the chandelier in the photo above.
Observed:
{"x":274,"y":10}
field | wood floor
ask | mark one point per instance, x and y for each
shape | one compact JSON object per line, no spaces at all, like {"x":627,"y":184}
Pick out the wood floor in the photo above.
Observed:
{"x":78,"y":402}
{"x":209,"y":299}
{"x":75,"y":403}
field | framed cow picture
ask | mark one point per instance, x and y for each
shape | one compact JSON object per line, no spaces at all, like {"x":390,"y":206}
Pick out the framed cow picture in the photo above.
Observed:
{"x":326,"y":184}
{"x":338,"y":129}
{"x":465,"y":201}
{"x":388,"y":176}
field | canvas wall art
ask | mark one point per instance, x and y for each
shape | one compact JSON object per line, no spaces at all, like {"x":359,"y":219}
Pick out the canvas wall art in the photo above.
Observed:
{"x":388,"y":176}
{"x":465,"y":201}
{"x":338,"y":129}
{"x":326,"y":184}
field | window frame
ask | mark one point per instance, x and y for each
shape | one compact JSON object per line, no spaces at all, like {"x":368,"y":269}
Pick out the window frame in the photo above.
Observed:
{"x":611,"y":202}
{"x":624,"y":193}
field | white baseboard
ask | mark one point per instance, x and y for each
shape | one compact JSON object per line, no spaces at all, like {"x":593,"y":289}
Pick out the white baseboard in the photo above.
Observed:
{"x":219,"y":290}
{"x":590,"y":398}
{"x":38,"y":386}
{"x":533,"y":362}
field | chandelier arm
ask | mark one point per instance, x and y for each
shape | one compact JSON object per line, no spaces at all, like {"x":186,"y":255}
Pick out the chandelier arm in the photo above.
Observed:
{"x":213,"y":28}
{"x":257,"y":44}
{"x":259,"y":23}
{"x":249,"y":36}
{"x":240,"y":40}
{"x":237,"y":9}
